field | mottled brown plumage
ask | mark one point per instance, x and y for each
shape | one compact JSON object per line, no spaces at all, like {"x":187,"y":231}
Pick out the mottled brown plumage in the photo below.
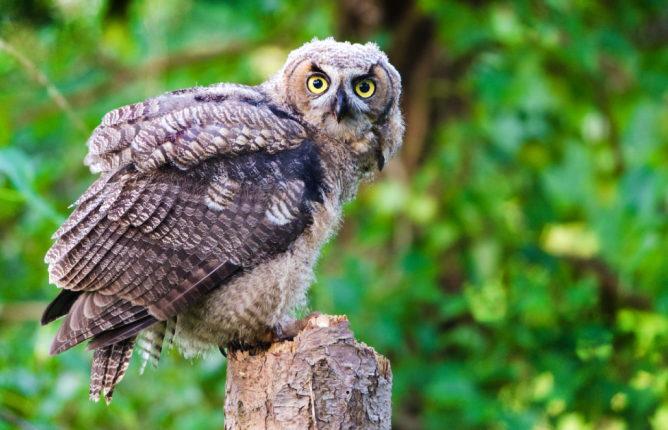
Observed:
{"x":213,"y":203}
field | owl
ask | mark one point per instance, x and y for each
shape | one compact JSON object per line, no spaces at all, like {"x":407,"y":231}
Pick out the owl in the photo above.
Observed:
{"x":213,"y":203}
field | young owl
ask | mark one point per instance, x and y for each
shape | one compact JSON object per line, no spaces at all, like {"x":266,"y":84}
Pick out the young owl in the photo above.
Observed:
{"x":213,"y":203}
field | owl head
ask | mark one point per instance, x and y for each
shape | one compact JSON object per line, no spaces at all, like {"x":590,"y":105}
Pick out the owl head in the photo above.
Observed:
{"x":347,"y":92}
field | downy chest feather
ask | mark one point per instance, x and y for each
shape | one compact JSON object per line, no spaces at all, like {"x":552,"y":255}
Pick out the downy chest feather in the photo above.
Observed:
{"x":259,"y":298}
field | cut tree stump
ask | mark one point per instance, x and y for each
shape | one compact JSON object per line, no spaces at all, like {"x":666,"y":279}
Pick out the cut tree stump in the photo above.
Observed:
{"x":323,"y":379}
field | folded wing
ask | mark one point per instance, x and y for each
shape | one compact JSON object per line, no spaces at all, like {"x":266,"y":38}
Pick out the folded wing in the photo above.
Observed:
{"x":195,"y":187}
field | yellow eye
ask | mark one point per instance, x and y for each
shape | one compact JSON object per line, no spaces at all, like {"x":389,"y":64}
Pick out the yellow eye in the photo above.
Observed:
{"x":365,"y":89}
{"x":317,"y":84}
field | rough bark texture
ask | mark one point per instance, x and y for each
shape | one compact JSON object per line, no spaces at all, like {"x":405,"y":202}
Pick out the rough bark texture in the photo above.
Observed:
{"x":323,"y":379}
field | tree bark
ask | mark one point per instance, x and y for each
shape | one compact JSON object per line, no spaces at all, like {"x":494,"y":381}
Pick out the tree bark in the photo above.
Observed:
{"x":323,"y":379}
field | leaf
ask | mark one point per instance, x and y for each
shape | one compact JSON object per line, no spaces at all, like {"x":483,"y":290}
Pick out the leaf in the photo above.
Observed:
{"x":20,"y":172}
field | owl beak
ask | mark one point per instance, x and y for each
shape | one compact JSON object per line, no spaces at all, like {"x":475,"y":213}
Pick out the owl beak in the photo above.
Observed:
{"x":339,"y":106}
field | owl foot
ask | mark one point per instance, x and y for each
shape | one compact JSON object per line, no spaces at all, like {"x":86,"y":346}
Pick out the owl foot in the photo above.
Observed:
{"x":287,"y":329}
{"x":236,"y":345}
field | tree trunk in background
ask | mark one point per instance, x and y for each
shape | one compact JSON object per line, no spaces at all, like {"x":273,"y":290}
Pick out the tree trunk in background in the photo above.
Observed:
{"x":323,"y":379}
{"x":413,"y":51}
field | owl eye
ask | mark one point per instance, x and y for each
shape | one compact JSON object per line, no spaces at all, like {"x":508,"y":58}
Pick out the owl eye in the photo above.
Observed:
{"x":365,"y":89}
{"x":317,"y":84}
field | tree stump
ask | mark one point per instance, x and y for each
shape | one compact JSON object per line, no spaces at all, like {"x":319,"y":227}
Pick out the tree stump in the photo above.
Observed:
{"x":323,"y":379}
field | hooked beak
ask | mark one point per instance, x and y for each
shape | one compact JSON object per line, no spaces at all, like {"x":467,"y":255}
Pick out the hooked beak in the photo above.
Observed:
{"x":339,"y":107}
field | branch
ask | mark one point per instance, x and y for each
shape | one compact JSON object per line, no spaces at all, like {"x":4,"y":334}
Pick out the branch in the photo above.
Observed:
{"x":122,"y":76}
{"x":51,"y":89}
{"x":7,"y":416}
{"x":22,"y":311}
{"x":612,"y":295}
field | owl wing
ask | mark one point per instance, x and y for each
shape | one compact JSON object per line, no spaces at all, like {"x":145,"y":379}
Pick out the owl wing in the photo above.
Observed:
{"x":181,"y":206}
{"x":186,"y":127}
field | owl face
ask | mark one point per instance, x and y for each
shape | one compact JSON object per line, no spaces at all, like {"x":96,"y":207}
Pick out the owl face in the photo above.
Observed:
{"x":349,"y":92}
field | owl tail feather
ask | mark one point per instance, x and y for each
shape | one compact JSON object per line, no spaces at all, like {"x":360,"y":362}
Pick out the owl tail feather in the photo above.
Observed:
{"x":109,"y":366}
{"x":152,"y":340}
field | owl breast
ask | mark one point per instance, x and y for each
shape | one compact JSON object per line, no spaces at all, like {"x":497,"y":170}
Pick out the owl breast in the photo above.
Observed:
{"x":249,"y":304}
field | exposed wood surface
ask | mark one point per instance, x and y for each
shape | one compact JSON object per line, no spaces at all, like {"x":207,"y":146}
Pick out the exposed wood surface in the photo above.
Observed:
{"x":323,"y":379}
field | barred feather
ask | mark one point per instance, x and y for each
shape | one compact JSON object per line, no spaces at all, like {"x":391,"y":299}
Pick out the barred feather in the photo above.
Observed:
{"x":98,"y":370}
{"x":150,"y":344}
{"x":129,"y":195}
{"x":170,"y":332}
{"x":86,"y":206}
{"x":109,"y":366}
{"x":188,"y":128}
{"x":82,"y":227}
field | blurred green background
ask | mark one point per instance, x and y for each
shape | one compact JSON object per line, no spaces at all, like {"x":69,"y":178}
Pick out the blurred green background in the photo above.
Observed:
{"x":510,"y":262}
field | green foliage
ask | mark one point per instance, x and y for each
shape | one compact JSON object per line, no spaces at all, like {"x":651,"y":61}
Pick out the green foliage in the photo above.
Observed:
{"x":515,"y":277}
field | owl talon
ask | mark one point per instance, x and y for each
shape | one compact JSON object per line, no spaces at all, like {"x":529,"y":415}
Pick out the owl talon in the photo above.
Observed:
{"x":236,"y":345}
{"x":222,"y":351}
{"x":279,"y":333}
